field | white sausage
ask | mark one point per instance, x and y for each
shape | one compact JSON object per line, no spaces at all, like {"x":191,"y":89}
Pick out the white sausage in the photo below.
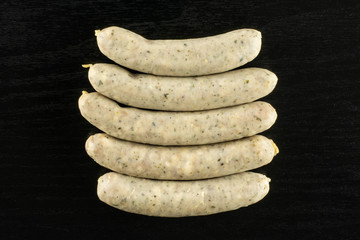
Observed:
{"x":182,"y":198}
{"x":180,"y":163}
{"x":185,"y":57}
{"x":181,"y":93}
{"x":176,"y":128}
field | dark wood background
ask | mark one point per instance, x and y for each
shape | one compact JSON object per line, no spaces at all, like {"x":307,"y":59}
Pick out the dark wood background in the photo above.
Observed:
{"x":48,"y":183}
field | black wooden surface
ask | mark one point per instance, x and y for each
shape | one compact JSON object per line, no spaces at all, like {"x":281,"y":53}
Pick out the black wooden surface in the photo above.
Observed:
{"x":48,"y":183}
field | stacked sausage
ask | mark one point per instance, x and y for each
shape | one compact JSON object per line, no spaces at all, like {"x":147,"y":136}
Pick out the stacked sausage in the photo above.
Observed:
{"x":189,"y":135}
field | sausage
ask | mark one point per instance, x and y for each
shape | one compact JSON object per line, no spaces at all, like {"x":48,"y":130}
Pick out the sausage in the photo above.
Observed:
{"x":181,"y":198}
{"x":176,"y":128}
{"x":185,"y":57}
{"x":181,"y":93}
{"x":180,"y":163}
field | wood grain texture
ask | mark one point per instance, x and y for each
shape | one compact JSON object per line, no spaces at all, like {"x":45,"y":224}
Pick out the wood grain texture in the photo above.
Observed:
{"x":48,"y":184}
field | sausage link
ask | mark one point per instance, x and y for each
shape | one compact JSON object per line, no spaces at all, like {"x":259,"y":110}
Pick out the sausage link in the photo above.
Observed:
{"x":182,"y":198}
{"x":180,"y":163}
{"x":185,"y":57}
{"x":176,"y":128}
{"x":181,"y":93}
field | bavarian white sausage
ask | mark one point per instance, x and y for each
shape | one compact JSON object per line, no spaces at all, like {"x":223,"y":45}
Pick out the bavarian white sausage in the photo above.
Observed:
{"x":182,"y":198}
{"x":180,"y":163}
{"x":176,"y":128}
{"x":181,"y":93}
{"x":185,"y":57}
